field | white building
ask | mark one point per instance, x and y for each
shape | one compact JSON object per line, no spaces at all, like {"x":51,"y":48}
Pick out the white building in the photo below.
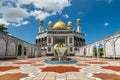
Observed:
{"x":59,"y":33}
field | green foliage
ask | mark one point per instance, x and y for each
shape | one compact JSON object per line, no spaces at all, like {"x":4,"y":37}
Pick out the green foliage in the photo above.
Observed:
{"x":55,"y":52}
{"x":84,"y":52}
{"x":60,"y":42}
{"x":19,"y":50}
{"x":95,"y":52}
{"x":101,"y":52}
{"x":25,"y":51}
{"x":3,"y":28}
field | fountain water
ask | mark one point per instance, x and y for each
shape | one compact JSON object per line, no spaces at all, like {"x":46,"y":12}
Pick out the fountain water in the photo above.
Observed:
{"x":60,"y":55}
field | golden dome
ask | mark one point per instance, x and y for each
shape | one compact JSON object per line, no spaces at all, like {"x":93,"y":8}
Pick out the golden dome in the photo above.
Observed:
{"x":69,"y":24}
{"x":50,"y":24}
{"x":60,"y":25}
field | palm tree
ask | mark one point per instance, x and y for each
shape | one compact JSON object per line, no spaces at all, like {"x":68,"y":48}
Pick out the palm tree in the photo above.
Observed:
{"x":3,"y":28}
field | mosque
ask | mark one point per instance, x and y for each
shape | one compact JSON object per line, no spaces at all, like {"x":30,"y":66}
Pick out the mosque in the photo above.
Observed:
{"x":12,"y":47}
{"x":60,"y":32}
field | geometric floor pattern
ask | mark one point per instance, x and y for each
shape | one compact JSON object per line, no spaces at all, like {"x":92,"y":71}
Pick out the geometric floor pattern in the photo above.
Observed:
{"x":37,"y":69}
{"x":60,"y":69}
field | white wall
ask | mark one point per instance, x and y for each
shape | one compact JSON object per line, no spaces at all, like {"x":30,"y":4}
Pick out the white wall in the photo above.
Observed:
{"x":117,"y":47}
{"x":2,"y":47}
{"x":109,"y":49}
{"x":11,"y":49}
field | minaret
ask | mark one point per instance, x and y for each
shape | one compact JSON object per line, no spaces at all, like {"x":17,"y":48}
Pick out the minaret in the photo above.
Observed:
{"x":69,"y":26}
{"x":50,"y":25}
{"x":41,"y":24}
{"x":78,"y":26}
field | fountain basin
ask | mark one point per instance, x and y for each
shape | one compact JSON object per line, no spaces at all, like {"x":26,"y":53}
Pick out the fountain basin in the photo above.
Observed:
{"x":67,"y":61}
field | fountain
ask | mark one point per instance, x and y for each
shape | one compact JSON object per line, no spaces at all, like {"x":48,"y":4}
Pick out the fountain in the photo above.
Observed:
{"x":60,"y":55}
{"x":60,"y":51}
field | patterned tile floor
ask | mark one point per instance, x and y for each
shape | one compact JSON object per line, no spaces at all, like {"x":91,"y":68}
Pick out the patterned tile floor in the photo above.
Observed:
{"x":37,"y":69}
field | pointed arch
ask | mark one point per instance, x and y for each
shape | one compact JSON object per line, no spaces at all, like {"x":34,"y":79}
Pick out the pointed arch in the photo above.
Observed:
{"x":100,"y":50}
{"x":11,"y":49}
{"x":117,"y":47}
{"x":95,"y":51}
{"x":109,"y":49}
{"x":2,"y":47}
{"x":19,"y":50}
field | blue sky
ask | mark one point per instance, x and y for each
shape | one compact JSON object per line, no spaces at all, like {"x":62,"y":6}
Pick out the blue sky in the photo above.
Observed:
{"x":99,"y":18}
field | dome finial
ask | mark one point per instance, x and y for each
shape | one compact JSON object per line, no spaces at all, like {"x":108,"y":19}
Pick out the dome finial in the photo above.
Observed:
{"x":69,"y":24}
{"x":78,"y":21}
{"x":50,"y":24}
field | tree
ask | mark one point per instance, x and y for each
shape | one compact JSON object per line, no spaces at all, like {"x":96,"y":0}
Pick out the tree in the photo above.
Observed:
{"x":3,"y":28}
{"x":19,"y":50}
{"x":101,"y":52}
{"x":95,"y":52}
{"x":25,"y":51}
{"x":84,"y":52}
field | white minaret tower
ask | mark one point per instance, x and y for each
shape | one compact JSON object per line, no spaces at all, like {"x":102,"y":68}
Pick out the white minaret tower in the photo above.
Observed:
{"x":78,"y":26}
{"x":41,"y":24}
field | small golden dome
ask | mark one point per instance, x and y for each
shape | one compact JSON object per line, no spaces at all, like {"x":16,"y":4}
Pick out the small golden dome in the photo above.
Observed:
{"x":69,"y":24}
{"x":50,"y":24}
{"x":78,"y":20}
{"x":60,"y":25}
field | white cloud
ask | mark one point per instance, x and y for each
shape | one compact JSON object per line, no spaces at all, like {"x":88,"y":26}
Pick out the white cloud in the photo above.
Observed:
{"x":45,"y":8}
{"x":21,"y":23}
{"x":86,"y":35}
{"x":40,"y":14}
{"x":2,"y":21}
{"x":15,"y":13}
{"x":66,"y":16}
{"x":49,"y":5}
{"x":106,"y":24}
{"x":25,"y":22}
{"x":109,"y":1}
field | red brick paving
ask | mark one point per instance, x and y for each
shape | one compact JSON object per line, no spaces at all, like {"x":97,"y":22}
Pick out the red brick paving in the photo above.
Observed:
{"x":60,"y":69}
{"x":31,"y":62}
{"x":115,"y":68}
{"x":6,"y":68}
{"x":97,"y":62}
{"x":105,"y":76}
{"x":15,"y":76}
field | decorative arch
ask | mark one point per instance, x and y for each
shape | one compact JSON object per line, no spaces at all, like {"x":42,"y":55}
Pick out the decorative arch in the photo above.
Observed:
{"x":19,"y":50}
{"x":95,"y":51}
{"x":84,"y":52}
{"x":2,"y":47}
{"x":11,"y":49}
{"x":91,"y":50}
{"x":87,"y":51}
{"x":36,"y":53}
{"x":100,"y":50}
{"x":117,"y":46}
{"x":109,"y":49}
{"x":29,"y":52}
{"x":33,"y":52}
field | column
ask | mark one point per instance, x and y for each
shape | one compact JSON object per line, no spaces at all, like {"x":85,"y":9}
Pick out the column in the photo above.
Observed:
{"x":114,"y":52}
{"x":104,"y":50}
{"x":7,"y":45}
{"x":98,"y":54}
{"x":16,"y":50}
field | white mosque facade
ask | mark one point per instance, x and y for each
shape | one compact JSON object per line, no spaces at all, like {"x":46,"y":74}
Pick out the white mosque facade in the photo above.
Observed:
{"x":59,"y":32}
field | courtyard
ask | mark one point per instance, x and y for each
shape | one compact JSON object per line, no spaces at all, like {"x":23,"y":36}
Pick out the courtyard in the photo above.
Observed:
{"x":36,"y":69}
